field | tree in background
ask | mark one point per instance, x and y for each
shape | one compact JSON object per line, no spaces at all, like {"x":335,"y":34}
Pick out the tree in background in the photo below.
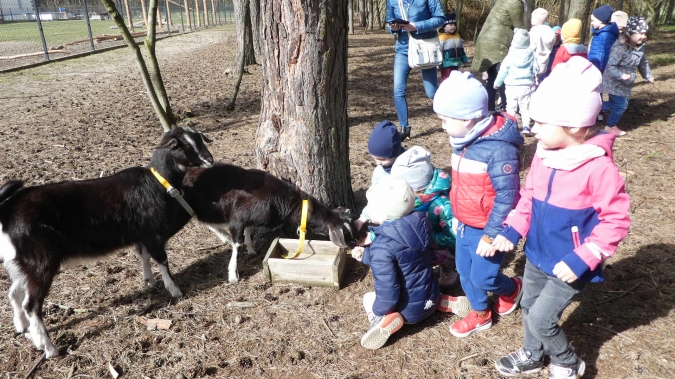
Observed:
{"x":242,"y":19}
{"x":302,"y":133}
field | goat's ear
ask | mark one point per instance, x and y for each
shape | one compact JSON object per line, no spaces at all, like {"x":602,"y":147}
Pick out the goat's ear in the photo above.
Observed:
{"x":170,"y":143}
{"x":205,"y":138}
{"x":337,"y":236}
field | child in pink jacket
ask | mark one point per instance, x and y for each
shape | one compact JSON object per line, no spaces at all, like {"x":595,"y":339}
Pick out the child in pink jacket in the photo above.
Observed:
{"x":573,"y":209}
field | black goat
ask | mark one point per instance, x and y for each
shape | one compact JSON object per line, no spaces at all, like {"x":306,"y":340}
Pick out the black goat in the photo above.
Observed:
{"x":232,"y":200}
{"x":45,"y":227}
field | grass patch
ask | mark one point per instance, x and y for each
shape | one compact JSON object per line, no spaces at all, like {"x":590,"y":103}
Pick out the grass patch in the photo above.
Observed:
{"x":663,"y":59}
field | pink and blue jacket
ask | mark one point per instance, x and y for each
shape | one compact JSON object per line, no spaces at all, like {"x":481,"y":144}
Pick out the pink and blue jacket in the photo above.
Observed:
{"x":576,"y":216}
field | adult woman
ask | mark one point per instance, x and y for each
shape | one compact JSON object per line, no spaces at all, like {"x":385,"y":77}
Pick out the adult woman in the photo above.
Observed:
{"x":425,"y":17}
{"x":494,"y":41}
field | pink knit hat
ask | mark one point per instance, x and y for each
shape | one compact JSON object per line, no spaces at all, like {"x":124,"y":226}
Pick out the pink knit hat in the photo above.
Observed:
{"x":569,"y":96}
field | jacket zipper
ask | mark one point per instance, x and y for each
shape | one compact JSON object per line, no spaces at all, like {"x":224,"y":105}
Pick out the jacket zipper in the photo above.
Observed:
{"x":458,"y":173}
{"x":541,"y":217}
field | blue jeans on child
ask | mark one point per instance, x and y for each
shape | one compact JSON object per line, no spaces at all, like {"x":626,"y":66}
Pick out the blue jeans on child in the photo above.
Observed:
{"x":477,"y":274}
{"x":401,"y":71}
{"x":544,"y":300}
{"x":617,"y":105}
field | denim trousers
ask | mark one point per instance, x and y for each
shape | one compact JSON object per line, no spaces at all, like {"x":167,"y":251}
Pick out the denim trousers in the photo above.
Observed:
{"x":490,"y":88}
{"x":477,"y":274}
{"x":401,"y":71}
{"x":544,"y":300}
{"x":617,"y":105}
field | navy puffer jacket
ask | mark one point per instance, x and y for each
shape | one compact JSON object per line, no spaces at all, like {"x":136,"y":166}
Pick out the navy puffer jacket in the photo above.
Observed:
{"x":400,"y":257}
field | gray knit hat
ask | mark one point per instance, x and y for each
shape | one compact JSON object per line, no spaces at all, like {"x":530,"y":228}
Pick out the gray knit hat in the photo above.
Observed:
{"x":414,"y":166}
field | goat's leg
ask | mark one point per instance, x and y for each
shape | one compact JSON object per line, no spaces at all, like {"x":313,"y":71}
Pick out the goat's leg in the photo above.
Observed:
{"x":221,"y":230}
{"x":143,"y":254}
{"x":17,"y":294}
{"x":38,"y":286}
{"x":237,"y":232}
{"x":249,"y":241}
{"x":157,"y":252}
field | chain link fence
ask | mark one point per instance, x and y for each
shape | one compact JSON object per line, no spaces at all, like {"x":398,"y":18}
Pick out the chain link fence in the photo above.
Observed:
{"x":30,"y":33}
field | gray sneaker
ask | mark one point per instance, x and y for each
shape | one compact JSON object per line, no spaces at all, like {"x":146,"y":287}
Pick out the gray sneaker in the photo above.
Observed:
{"x":381,"y":328}
{"x":574,"y":371}
{"x":517,"y":363}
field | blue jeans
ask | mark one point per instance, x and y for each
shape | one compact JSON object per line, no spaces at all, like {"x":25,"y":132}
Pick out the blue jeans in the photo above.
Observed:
{"x":617,"y":105}
{"x":544,"y":300}
{"x":401,"y":71}
{"x":477,"y":274}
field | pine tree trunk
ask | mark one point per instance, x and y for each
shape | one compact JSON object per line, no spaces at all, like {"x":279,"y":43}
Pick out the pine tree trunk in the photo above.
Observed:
{"x":350,"y":15}
{"x":255,"y":23}
{"x":527,"y":14}
{"x":581,"y":9}
{"x":242,"y":18}
{"x":562,"y":14}
{"x":362,"y":13}
{"x":302,"y":134}
{"x":619,"y":5}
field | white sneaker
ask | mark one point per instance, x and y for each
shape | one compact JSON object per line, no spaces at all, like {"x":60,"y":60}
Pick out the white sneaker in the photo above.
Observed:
{"x":381,"y":329}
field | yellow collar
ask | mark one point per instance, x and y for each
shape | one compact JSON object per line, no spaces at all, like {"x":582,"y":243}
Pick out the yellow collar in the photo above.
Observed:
{"x":172,"y":191}
{"x":302,"y":229}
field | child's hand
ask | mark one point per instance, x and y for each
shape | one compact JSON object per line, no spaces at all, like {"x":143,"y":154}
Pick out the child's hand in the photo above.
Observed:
{"x":651,"y":80}
{"x":485,"y":249}
{"x":485,"y":76}
{"x":357,"y":253}
{"x":564,"y":273}
{"x":496,"y":87}
{"x":359,"y":223}
{"x":625,"y":76}
{"x":502,"y":244}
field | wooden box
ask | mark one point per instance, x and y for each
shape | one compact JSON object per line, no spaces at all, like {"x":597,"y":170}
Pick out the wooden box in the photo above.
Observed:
{"x":321,"y":263}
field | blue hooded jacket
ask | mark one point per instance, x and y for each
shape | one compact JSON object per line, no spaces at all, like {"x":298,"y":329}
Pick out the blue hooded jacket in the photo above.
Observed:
{"x":427,"y":15}
{"x":400,"y":257}
{"x":601,"y":44}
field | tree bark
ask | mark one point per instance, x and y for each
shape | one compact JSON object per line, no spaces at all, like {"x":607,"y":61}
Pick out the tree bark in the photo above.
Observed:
{"x":242,"y":18}
{"x":562,"y":13}
{"x":619,"y":5}
{"x":669,"y":12}
{"x":145,"y":14}
{"x":371,"y":16}
{"x":581,"y":9}
{"x":302,"y":133}
{"x":255,"y":23}
{"x":206,"y":13}
{"x":362,"y":13}
{"x":130,"y":20}
{"x":527,"y":14}
{"x":242,"y":59}
{"x":350,"y":15}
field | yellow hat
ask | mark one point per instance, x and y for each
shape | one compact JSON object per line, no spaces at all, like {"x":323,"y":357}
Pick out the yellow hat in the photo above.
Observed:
{"x":571,"y":31}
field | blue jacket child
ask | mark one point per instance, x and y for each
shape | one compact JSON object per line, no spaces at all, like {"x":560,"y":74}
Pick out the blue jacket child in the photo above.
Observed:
{"x":605,"y":34}
{"x":399,"y":255}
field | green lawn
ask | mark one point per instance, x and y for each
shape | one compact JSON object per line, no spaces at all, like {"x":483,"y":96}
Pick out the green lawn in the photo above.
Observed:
{"x":61,"y":32}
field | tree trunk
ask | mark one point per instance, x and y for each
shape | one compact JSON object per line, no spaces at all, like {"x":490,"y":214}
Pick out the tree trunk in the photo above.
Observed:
{"x":669,"y":12}
{"x":199,"y":17}
{"x":619,"y":5}
{"x":145,"y":14}
{"x":242,"y":61}
{"x":255,"y":23}
{"x":350,"y":15}
{"x":378,"y":14}
{"x":362,"y":13}
{"x":581,"y":9}
{"x":169,"y":20}
{"x":371,"y":16}
{"x":303,"y":134}
{"x":458,"y":14}
{"x":206,"y":13}
{"x":527,"y":14}
{"x":129,"y":19}
{"x":242,"y":19}
{"x":562,"y":13}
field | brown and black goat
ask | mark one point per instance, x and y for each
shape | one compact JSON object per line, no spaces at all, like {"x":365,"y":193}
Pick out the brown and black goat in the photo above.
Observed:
{"x":231,"y":201}
{"x":43,"y":228}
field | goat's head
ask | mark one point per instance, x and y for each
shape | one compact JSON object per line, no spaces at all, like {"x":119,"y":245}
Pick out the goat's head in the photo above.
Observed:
{"x":343,"y":233}
{"x":187,"y":147}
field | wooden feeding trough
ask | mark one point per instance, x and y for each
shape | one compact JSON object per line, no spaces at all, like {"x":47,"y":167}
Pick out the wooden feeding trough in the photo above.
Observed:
{"x":320,"y":263}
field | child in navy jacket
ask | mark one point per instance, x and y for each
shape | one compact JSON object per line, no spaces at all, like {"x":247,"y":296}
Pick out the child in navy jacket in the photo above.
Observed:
{"x":605,"y":34}
{"x":399,"y":253}
{"x":573,"y":210}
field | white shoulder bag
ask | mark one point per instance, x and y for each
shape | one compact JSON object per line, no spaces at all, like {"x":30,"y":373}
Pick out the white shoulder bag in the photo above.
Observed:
{"x":423,"y":53}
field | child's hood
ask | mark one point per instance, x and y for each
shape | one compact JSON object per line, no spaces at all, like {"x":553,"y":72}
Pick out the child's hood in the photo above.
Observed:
{"x":503,"y":129}
{"x":521,"y":58}
{"x":604,"y":140}
{"x":412,"y":230}
{"x":576,"y":48}
{"x":440,"y":182}
{"x":609,"y":28}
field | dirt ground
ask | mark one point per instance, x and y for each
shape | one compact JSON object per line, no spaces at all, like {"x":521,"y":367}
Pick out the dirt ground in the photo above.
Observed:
{"x":90,"y":117}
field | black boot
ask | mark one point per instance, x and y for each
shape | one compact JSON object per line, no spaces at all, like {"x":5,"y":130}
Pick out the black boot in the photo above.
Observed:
{"x":405,"y":133}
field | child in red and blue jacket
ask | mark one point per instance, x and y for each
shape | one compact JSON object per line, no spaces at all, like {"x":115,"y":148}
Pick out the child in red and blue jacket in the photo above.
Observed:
{"x":573,"y":210}
{"x":485,"y":186}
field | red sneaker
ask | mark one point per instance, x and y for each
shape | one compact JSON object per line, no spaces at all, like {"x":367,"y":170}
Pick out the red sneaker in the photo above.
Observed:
{"x":471,"y":323}
{"x":458,"y":305}
{"x":506,"y":304}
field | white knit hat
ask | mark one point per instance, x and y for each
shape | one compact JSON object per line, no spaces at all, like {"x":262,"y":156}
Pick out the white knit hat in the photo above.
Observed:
{"x":461,"y":96}
{"x":390,"y":198}
{"x":414,"y":166}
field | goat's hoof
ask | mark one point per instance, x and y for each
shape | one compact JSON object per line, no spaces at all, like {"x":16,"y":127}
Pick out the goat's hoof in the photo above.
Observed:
{"x":150,"y":282}
{"x":51,"y":352}
{"x":233,"y":280}
{"x":177,"y":294}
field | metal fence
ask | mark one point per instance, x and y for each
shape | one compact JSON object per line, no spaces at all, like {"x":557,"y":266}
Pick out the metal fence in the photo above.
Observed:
{"x":31,"y":34}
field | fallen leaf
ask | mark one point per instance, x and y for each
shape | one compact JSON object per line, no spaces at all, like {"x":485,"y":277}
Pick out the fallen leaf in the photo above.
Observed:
{"x":154,"y":323}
